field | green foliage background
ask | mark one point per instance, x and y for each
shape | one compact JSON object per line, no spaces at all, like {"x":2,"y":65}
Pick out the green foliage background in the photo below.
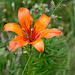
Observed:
{"x":58,"y":57}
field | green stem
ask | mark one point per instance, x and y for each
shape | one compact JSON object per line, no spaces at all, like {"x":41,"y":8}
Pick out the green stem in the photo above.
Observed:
{"x":56,"y":7}
{"x":28,"y":63}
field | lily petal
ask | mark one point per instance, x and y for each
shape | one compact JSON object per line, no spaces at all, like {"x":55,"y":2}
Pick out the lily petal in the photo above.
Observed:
{"x":48,"y":33}
{"x":40,"y":24}
{"x":25,"y":19}
{"x":15,"y":28}
{"x":39,"y":45}
{"x":17,"y":42}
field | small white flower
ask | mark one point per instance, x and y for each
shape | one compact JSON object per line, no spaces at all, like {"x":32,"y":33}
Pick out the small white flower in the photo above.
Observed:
{"x":4,"y":10}
{"x":36,"y":5}
{"x":23,"y":2}
{"x":25,"y":52}
{"x":4,"y":19}
{"x":46,"y":9}
{"x":45,"y":5}
{"x":13,"y":5}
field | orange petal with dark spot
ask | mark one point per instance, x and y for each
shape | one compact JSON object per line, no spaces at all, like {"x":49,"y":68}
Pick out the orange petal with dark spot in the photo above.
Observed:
{"x":39,"y":45}
{"x":17,"y":42}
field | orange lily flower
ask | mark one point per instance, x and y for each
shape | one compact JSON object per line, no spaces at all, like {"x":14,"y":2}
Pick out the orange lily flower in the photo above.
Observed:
{"x":34,"y":36}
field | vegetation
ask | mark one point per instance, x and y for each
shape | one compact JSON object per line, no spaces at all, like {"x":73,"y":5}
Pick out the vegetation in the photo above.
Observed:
{"x":58,"y":57}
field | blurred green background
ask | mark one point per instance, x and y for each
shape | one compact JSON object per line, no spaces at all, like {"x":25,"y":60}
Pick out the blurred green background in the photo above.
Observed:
{"x":62,"y":13}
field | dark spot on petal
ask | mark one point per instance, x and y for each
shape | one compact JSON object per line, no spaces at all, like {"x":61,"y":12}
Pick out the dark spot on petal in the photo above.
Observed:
{"x":41,"y":51}
{"x":24,"y":23}
{"x":15,"y":43}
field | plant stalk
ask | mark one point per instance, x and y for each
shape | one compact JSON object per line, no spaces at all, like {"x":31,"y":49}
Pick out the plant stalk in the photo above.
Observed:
{"x":29,"y":63}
